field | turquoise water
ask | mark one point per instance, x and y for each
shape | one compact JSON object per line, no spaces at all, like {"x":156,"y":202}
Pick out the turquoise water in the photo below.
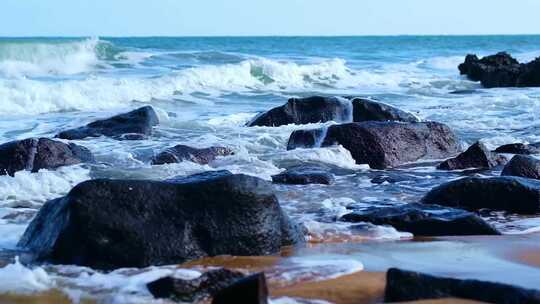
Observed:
{"x":205,"y":90}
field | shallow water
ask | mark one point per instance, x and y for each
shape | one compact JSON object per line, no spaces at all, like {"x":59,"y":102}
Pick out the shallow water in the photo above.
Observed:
{"x":206,"y":89}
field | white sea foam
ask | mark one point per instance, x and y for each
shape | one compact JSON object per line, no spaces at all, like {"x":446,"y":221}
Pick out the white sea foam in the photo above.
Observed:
{"x":16,"y":278}
{"x":338,"y":156}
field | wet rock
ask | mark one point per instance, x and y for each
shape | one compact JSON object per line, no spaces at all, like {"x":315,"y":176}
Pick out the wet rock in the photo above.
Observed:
{"x":404,"y":286}
{"x":305,"y":174}
{"x":512,"y":194}
{"x":519,"y":148}
{"x":477,"y":156}
{"x":133,"y":125}
{"x":34,"y":154}
{"x":196,"y":290}
{"x":501,"y":70}
{"x":386,"y":144}
{"x":389,"y":178}
{"x":464,"y":92}
{"x":322,"y":109}
{"x":523,"y":166}
{"x":182,"y":153}
{"x":109,"y":224}
{"x":424,"y":220}
{"x":250,"y":290}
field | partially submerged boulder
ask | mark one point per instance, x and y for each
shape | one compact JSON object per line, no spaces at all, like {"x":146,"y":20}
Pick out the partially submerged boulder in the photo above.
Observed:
{"x":512,"y":194}
{"x":405,"y":286}
{"x":133,"y":125}
{"x":477,"y":156}
{"x":385,"y":144}
{"x":523,"y":166}
{"x":322,"y":109}
{"x":34,"y":154}
{"x":182,"y":153}
{"x":304,"y":175}
{"x":519,"y":148}
{"x":196,"y":290}
{"x":108,"y":224}
{"x":501,"y":70}
{"x":424,"y":220}
{"x":249,"y":290}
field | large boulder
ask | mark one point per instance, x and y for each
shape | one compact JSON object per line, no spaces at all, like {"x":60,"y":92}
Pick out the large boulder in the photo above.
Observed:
{"x":384,"y":144}
{"x":424,"y":220}
{"x":34,"y":154}
{"x":182,"y":153}
{"x":133,"y":125}
{"x":405,"y":286}
{"x":195,"y":290}
{"x":108,"y":224}
{"x":501,"y":70}
{"x":322,"y":109}
{"x":512,"y":194}
{"x":519,"y":148}
{"x":523,"y":166}
{"x":304,"y":175}
{"x":477,"y":156}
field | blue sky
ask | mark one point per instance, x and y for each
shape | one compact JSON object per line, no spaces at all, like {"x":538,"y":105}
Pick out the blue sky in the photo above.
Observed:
{"x":266,"y":17}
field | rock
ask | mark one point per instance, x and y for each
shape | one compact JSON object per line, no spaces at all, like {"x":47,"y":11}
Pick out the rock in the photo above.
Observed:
{"x":322,"y":109}
{"x":518,"y":148}
{"x":523,"y":166}
{"x":182,"y":153}
{"x":250,"y":290}
{"x":477,"y":156}
{"x":512,"y":194}
{"x":404,"y":286}
{"x":424,"y":220}
{"x":303,"y":175}
{"x":34,"y":154}
{"x":385,"y":144}
{"x":501,"y":70}
{"x":196,"y":290}
{"x":133,"y":125}
{"x":109,"y":224}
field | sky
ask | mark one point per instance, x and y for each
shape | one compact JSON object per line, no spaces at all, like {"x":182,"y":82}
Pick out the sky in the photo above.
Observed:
{"x":266,"y":17}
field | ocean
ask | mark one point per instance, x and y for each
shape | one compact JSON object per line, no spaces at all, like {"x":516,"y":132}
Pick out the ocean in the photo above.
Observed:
{"x":206,"y":89}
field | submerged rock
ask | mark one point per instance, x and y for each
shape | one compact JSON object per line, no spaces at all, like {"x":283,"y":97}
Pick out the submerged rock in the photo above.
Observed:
{"x":424,"y":220}
{"x":305,"y":174}
{"x":523,"y":166}
{"x":182,"y":153}
{"x":108,"y":224}
{"x":519,"y":148}
{"x":512,"y":194}
{"x":322,"y":109}
{"x":402,"y":286}
{"x":196,"y":290}
{"x":34,"y":154}
{"x":385,"y":144}
{"x":249,"y":290}
{"x":501,"y":70}
{"x":477,"y":156}
{"x":133,"y":125}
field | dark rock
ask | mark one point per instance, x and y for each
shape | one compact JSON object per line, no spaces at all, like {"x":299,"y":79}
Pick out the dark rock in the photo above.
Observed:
{"x":512,"y":194}
{"x":303,"y":175}
{"x":34,"y":154}
{"x":301,"y":139}
{"x":322,"y":109}
{"x":250,"y":290}
{"x":404,"y":286}
{"x":518,"y":148}
{"x":501,"y":70}
{"x":523,"y":166}
{"x":391,"y":179}
{"x":424,"y":220}
{"x":477,"y":156}
{"x":133,"y":125}
{"x":196,"y":290}
{"x":386,"y":144}
{"x":182,"y":153}
{"x":464,"y":92}
{"x":108,"y":224}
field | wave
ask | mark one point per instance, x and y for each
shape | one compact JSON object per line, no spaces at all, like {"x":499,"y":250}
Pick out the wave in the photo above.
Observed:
{"x":33,"y":58}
